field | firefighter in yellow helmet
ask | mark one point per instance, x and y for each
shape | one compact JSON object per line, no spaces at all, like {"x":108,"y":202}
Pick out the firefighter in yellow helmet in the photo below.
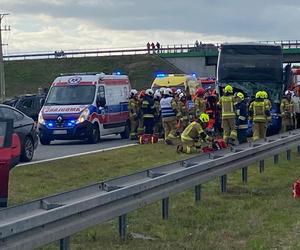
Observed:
{"x":226,"y":103}
{"x":268,"y":102}
{"x":194,"y":136}
{"x":287,"y":112}
{"x":259,"y":112}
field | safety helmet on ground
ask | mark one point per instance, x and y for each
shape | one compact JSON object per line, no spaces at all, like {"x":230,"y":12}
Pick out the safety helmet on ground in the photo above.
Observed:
{"x":200,"y":91}
{"x":204,"y":118}
{"x":181,"y":96}
{"x":228,"y":89}
{"x":133,"y":92}
{"x":168,"y":91}
{"x":157,"y":95}
{"x":149,"y":92}
{"x":240,"y":95}
{"x":259,"y":95}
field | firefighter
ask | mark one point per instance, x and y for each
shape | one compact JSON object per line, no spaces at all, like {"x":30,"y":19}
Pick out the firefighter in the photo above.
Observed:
{"x":133,"y":108}
{"x":200,"y":103}
{"x":148,"y":110}
{"x":259,"y":111}
{"x":184,"y":113}
{"x":287,"y":112}
{"x":194,"y":136}
{"x":157,"y":114}
{"x":268,"y":102}
{"x":241,"y":120}
{"x":169,"y":111}
{"x":212,"y":111}
{"x":226,"y":104}
{"x":140,"y":130}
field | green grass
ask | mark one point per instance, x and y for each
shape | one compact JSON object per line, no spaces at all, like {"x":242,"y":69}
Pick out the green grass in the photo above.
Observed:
{"x":25,"y":76}
{"x":258,"y":215}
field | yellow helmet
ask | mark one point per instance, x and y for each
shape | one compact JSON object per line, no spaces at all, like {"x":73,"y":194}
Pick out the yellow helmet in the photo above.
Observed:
{"x":265,"y":94}
{"x":228,"y":89}
{"x":240,"y":95}
{"x":259,"y":94}
{"x":204,"y":118}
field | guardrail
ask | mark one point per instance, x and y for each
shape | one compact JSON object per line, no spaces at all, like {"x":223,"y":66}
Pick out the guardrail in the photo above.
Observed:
{"x":177,"y":48}
{"x":57,"y":217}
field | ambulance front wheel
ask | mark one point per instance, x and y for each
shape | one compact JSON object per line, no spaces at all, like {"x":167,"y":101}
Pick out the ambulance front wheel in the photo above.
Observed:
{"x":94,"y":137}
{"x":126,"y":132}
{"x":44,"y":140}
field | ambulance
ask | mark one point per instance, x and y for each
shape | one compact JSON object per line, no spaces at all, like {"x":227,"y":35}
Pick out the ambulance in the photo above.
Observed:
{"x":85,"y":106}
{"x":178,"y":81}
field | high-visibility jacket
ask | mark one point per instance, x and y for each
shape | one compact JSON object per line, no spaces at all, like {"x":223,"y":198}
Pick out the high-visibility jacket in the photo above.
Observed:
{"x":133,"y":107}
{"x":194,"y":131}
{"x":168,"y":107}
{"x":241,"y":119}
{"x":200,"y":105}
{"x":148,"y":108}
{"x":227,"y":105}
{"x":183,"y":110}
{"x":286,"y":108}
{"x":259,"y":110}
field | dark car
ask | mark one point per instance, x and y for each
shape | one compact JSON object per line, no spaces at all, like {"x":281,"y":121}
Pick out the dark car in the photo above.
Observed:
{"x":25,"y":127}
{"x":30,"y":105}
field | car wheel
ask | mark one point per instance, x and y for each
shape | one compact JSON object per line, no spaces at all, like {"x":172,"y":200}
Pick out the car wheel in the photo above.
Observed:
{"x":45,"y":140}
{"x":126,"y":132}
{"x":95,"y":135}
{"x":28,"y":150}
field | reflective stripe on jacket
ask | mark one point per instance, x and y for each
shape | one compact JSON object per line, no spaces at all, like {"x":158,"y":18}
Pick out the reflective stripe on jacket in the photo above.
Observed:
{"x":227,"y":105}
{"x":166,"y":107}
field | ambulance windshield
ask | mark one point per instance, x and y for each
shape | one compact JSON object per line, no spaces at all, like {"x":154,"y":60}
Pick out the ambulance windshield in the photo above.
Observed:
{"x":71,"y":95}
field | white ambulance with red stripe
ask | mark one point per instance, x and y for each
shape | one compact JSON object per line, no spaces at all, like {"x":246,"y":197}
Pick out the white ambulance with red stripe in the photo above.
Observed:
{"x":85,"y":106}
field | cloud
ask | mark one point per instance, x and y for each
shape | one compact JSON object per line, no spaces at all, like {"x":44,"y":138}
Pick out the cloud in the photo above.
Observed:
{"x":52,"y":23}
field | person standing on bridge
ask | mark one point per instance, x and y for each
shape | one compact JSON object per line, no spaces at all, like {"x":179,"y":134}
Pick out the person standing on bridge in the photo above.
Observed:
{"x":259,"y":112}
{"x":158,"y":47}
{"x":226,"y":104}
{"x":153,"y":47}
{"x":148,"y":47}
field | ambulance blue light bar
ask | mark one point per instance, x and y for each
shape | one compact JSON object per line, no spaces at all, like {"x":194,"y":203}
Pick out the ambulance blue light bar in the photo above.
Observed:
{"x":160,"y":75}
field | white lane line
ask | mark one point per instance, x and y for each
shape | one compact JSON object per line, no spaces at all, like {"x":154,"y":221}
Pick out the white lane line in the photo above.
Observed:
{"x":74,"y":155}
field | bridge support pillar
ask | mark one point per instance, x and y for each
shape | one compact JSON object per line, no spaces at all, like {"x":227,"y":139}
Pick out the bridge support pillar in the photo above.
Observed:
{"x":276,"y":159}
{"x":288,"y":154}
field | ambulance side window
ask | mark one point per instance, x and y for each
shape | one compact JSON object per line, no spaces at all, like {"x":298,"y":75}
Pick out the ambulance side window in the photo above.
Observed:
{"x":101,"y":101}
{"x":101,"y":92}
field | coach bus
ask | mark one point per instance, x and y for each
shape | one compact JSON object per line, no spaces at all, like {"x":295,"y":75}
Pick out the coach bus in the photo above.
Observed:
{"x":251,"y":67}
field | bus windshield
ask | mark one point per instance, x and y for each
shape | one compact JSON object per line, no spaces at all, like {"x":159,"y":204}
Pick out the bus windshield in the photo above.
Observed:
{"x":71,"y":95}
{"x":251,"y":68}
{"x":250,"y":63}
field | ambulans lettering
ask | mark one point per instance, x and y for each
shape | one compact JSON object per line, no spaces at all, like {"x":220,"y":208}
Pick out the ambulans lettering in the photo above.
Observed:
{"x":63,"y":109}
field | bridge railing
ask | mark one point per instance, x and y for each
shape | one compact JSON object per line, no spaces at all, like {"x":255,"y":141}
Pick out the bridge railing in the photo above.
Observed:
{"x":176,"y":48}
{"x":58,"y":217}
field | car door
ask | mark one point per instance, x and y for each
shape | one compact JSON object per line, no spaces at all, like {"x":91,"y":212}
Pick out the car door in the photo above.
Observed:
{"x":28,"y":107}
{"x":22,"y":125}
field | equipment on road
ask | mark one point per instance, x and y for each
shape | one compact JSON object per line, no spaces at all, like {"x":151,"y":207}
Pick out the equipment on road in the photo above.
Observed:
{"x":147,"y":139}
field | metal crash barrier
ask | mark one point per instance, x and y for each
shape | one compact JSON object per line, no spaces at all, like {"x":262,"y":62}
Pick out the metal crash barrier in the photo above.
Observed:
{"x":57,"y":217}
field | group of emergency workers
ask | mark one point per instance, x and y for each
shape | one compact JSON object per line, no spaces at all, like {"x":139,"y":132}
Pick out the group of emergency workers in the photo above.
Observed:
{"x":194,"y":122}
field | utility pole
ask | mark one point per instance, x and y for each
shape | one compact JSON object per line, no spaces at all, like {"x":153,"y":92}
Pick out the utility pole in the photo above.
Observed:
{"x":2,"y":77}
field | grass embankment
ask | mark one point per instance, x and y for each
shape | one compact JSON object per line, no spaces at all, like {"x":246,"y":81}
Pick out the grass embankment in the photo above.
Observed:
{"x":259,"y":215}
{"x":25,"y":76}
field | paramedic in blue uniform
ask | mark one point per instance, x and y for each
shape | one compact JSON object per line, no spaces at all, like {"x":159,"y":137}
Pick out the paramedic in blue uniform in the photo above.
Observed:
{"x":148,"y":110}
{"x":241,"y":120}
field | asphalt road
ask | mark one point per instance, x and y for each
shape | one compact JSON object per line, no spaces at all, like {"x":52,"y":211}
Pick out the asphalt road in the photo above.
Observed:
{"x":61,"y":149}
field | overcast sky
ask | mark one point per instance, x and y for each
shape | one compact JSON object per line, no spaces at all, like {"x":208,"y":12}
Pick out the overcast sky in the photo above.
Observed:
{"x":48,"y":25}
